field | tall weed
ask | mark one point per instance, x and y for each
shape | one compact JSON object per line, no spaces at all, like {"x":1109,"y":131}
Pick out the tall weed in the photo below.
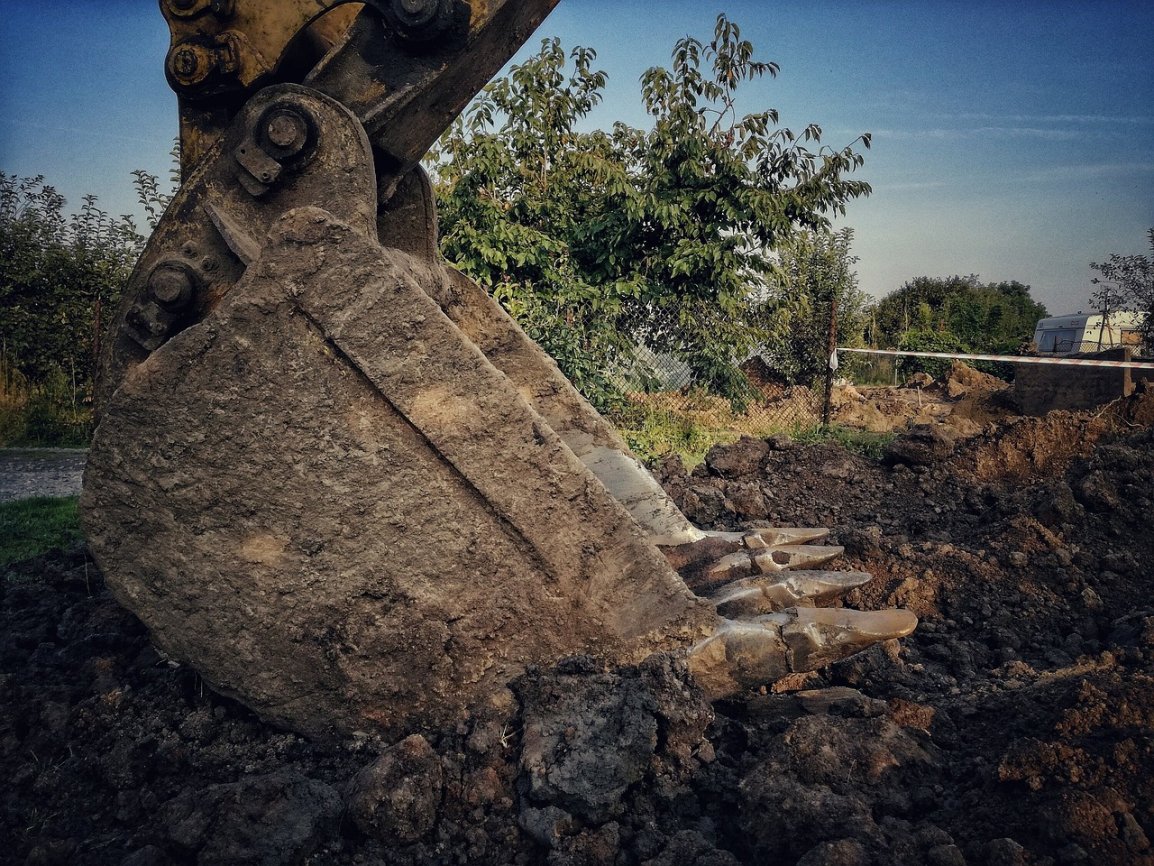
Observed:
{"x":52,"y":413}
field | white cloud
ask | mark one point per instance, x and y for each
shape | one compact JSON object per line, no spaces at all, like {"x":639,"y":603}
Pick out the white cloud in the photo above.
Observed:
{"x":979,"y":132}
{"x":1046,"y":118}
{"x":1088,"y":171}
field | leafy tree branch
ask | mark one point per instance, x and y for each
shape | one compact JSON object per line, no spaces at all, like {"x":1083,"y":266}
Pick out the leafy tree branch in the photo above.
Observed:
{"x":664,"y":237}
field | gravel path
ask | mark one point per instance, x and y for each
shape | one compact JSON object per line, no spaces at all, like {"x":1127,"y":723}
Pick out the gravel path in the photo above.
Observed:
{"x":27,"y":472}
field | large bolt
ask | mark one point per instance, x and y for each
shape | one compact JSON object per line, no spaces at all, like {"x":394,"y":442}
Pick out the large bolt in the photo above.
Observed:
{"x":172,"y":284}
{"x":416,"y":11}
{"x":287,"y":130}
{"x":190,"y":63}
{"x":185,"y":62}
{"x":420,"y":19}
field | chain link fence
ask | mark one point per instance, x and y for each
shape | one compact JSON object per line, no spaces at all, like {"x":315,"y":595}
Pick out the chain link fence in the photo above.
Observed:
{"x":771,"y":402}
{"x":784,"y":390}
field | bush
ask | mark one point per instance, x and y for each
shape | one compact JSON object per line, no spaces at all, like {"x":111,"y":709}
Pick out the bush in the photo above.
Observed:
{"x":60,"y":278}
{"x":48,"y":414}
{"x":653,"y":433}
{"x":928,"y":341}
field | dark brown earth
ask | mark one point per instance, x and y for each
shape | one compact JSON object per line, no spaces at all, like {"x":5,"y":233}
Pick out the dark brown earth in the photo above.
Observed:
{"x":1016,"y":726}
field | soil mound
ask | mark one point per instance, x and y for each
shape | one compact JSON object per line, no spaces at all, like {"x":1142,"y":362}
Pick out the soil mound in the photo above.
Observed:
{"x":964,"y":379}
{"x":965,"y":401}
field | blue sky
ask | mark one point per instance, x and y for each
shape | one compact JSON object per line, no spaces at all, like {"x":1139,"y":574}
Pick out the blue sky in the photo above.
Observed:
{"x":1011,"y":140}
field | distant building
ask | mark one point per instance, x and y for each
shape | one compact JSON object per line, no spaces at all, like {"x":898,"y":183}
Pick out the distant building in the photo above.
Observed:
{"x":1087,"y":332}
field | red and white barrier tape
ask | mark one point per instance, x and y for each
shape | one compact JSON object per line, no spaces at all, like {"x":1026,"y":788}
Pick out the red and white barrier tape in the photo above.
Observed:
{"x":1009,"y":359}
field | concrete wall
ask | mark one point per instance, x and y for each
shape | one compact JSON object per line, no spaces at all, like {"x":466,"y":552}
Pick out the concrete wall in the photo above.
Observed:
{"x":1038,"y":388}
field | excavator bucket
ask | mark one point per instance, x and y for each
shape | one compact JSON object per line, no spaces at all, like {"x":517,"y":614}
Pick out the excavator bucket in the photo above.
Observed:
{"x":334,"y":476}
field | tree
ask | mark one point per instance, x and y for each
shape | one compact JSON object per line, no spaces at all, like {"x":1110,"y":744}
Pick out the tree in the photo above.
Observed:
{"x":1127,"y":282}
{"x":977,"y":317}
{"x":598,"y":242}
{"x":59,"y":277}
{"x":509,"y":199}
{"x":815,"y":274}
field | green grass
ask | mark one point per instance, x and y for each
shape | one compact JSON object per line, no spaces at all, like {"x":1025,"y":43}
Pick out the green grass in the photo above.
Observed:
{"x":29,"y":527}
{"x":653,"y":433}
{"x":861,"y":442}
{"x":661,"y":433}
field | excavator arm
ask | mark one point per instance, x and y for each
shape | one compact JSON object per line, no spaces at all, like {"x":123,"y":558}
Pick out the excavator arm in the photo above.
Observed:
{"x":406,"y":68}
{"x":329,"y":471}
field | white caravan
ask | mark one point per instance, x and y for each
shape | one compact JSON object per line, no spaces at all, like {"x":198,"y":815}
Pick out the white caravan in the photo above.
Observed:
{"x":1087,"y":332}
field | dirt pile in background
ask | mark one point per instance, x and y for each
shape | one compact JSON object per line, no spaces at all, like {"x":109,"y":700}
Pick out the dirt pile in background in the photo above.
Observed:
{"x":965,"y":401}
{"x":1014,"y":727}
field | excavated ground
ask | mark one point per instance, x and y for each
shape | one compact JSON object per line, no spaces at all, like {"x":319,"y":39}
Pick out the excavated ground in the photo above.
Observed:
{"x":1016,"y":726}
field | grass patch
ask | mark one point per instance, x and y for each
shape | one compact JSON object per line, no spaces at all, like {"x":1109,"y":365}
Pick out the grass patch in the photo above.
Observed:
{"x":863,"y":442}
{"x":653,"y":430}
{"x":655,"y":434}
{"x":30,"y":527}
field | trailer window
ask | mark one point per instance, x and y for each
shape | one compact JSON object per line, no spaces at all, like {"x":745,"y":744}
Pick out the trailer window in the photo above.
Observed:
{"x":1059,"y":341}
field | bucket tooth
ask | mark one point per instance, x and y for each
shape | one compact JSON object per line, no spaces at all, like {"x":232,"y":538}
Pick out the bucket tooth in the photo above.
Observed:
{"x":746,"y":654}
{"x":716,"y":557}
{"x":818,"y":636}
{"x":795,"y":556}
{"x":774,"y":536}
{"x":715,"y":543}
{"x":768,"y":593}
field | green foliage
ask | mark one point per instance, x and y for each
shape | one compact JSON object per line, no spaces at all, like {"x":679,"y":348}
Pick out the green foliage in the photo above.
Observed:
{"x":44,"y":414}
{"x":928,"y":341}
{"x":655,"y":433}
{"x":955,"y":314}
{"x":152,"y":197}
{"x":60,"y":277}
{"x":868,"y":369}
{"x":30,"y":527}
{"x":1127,"y":283}
{"x":863,"y":442}
{"x":815,"y":272}
{"x":601,"y":241}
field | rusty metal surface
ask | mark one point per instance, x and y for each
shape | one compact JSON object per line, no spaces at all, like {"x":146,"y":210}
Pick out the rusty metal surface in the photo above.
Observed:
{"x":221,"y":51}
{"x":219,"y":218}
{"x":406,"y":93}
{"x":405,"y":67}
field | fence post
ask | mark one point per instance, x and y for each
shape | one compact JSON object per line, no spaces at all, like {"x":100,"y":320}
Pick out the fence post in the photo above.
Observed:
{"x":831,"y":347}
